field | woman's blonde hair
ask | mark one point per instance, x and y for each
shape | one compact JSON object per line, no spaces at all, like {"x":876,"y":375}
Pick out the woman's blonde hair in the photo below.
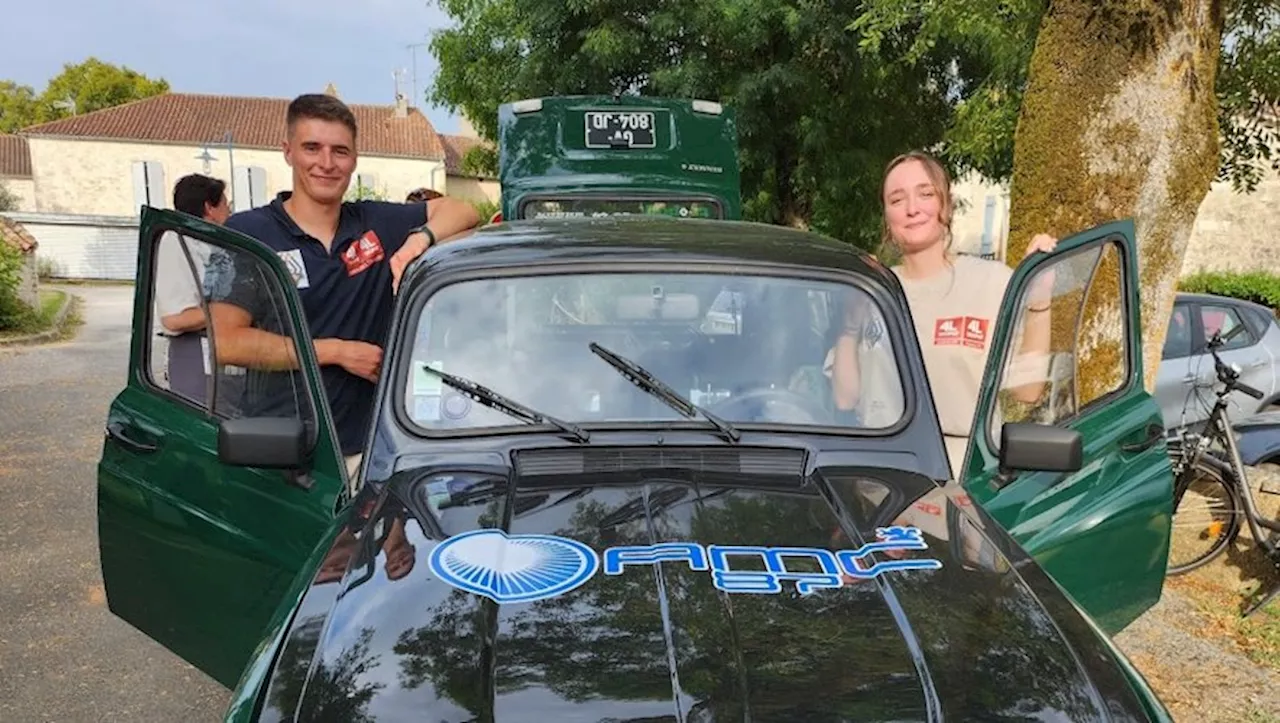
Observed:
{"x":941,"y":182}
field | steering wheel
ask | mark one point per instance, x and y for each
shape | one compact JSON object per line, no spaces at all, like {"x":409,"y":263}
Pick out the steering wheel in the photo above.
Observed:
{"x":810,"y":410}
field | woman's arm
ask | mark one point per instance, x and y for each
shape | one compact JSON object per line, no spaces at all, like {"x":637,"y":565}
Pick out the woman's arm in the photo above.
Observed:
{"x":846,"y":375}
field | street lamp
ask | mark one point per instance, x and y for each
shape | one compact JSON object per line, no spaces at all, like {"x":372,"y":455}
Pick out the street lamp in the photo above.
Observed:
{"x":207,"y":158}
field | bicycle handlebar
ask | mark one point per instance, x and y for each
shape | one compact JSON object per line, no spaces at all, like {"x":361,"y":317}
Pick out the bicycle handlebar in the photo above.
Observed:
{"x":1229,"y":377}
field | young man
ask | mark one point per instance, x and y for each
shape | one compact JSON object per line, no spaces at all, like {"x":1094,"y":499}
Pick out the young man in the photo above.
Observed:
{"x":346,"y":259}
{"x":178,"y":291}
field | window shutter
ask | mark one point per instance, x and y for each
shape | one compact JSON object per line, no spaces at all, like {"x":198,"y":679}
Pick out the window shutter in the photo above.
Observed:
{"x":148,"y":184}
{"x":250,"y":187}
{"x":258,"y":186}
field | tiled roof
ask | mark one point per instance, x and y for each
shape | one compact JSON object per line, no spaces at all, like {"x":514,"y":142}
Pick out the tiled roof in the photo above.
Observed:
{"x":455,"y":149}
{"x":14,"y":234}
{"x":254,"y":123}
{"x":15,"y":157}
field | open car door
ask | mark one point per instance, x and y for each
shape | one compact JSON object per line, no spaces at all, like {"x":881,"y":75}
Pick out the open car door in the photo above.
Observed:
{"x":213,"y":488}
{"x":1096,"y":516}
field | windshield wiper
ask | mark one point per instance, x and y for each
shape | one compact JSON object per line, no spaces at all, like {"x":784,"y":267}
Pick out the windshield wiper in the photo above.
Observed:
{"x":641,"y":377}
{"x":510,"y":407}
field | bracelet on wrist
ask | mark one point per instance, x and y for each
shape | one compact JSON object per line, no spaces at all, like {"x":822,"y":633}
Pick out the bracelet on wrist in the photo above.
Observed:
{"x":424,"y":228}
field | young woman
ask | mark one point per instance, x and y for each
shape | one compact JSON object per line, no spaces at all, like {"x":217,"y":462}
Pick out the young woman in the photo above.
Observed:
{"x":954,"y":302}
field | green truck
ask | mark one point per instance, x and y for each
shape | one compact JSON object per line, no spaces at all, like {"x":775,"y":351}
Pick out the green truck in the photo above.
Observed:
{"x":584,"y":156}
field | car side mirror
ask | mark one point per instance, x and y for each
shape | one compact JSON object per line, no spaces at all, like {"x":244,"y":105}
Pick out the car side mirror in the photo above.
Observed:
{"x":270,"y":442}
{"x":1030,"y":447}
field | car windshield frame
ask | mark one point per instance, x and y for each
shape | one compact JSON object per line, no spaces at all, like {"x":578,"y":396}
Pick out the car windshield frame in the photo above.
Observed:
{"x":656,"y":196}
{"x":896,"y":328}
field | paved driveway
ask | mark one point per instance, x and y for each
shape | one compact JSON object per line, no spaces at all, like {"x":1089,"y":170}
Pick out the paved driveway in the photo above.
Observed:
{"x":63,"y":656}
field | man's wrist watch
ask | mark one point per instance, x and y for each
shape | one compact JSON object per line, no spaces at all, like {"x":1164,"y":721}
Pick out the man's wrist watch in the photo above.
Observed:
{"x":424,"y":228}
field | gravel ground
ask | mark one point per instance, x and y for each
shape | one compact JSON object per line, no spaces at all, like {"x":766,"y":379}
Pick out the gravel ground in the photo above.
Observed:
{"x":1203,"y":661}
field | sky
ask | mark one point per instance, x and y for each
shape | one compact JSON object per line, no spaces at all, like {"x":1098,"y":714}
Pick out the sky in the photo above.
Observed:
{"x":276,"y":48}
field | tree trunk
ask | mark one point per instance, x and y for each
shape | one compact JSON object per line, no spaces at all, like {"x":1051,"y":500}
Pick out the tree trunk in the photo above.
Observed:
{"x":1119,"y":120}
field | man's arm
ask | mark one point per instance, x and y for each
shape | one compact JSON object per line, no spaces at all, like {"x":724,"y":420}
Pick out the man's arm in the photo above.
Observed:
{"x":238,"y":343}
{"x":447,"y":218}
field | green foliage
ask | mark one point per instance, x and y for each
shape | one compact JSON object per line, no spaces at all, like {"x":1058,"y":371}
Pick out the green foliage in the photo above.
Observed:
{"x":8,"y":200}
{"x":90,"y":85}
{"x":1260,"y":287}
{"x":818,"y":115}
{"x":15,"y":315}
{"x":989,"y":43}
{"x":485,"y":209}
{"x":361,"y":192}
{"x":481,"y":161}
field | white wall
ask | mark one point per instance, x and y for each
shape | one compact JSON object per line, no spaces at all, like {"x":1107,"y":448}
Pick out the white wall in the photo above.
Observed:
{"x":91,"y":177}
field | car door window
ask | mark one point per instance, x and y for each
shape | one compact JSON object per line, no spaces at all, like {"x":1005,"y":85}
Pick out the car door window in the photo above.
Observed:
{"x":1177,"y":341}
{"x":194,"y":278}
{"x":1220,"y":318}
{"x":1083,"y":333}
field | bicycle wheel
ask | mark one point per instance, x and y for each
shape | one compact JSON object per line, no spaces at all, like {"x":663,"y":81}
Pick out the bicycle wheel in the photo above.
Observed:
{"x":1207,"y":517}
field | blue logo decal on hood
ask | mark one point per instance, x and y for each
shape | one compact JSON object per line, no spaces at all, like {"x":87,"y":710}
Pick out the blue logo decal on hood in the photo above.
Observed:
{"x":525,"y":568}
{"x":516,"y":568}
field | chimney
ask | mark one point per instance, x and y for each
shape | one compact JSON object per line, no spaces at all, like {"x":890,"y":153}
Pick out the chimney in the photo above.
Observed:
{"x":331,"y":89}
{"x":402,"y":106}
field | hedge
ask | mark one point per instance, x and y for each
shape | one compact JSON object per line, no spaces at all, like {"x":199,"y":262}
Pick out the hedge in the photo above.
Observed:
{"x":1259,"y":287}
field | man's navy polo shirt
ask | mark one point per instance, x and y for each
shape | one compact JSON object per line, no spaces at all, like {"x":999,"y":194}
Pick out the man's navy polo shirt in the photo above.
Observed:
{"x":345,"y":292}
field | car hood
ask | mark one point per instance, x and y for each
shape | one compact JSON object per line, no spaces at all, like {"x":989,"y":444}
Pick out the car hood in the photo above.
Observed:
{"x":463,"y":599}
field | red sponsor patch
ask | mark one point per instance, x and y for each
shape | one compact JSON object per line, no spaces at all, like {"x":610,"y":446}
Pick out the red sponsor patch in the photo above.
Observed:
{"x":947,"y":332}
{"x":969,"y":331}
{"x":975,"y":332}
{"x":363,"y":253}
{"x":928,"y":508}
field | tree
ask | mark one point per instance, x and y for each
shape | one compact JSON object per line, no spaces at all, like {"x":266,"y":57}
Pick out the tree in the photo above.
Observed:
{"x":83,"y":88}
{"x":1105,"y":109}
{"x":817,"y":118}
{"x":17,"y":106}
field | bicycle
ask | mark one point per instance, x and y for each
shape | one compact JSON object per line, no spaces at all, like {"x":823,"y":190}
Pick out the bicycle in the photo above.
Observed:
{"x":1224,"y":480}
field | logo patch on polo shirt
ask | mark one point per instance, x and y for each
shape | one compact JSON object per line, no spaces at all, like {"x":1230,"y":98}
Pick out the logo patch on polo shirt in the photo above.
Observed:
{"x":297,"y":268}
{"x":363,"y":253}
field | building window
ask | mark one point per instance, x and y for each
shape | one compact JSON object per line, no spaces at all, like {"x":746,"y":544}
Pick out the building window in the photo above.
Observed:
{"x":250,"y":188}
{"x":148,"y":185}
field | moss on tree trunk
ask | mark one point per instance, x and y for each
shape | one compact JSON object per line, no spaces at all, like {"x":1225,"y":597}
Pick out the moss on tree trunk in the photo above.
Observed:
{"x":1119,"y":120}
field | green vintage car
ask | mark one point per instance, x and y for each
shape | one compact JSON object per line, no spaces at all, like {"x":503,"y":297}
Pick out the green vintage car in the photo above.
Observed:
{"x":604,"y":481}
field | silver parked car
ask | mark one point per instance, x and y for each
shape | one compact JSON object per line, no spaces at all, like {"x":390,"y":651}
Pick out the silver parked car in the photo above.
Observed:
{"x":1184,"y":384}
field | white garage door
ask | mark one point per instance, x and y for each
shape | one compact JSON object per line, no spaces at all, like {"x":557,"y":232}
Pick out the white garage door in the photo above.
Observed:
{"x":84,"y":247}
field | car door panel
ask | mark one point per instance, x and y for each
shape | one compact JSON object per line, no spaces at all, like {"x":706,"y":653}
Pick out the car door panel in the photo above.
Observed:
{"x":194,"y":553}
{"x":1102,"y":531}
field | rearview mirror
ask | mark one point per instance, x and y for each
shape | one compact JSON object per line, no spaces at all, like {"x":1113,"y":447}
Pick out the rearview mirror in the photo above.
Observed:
{"x":270,"y":442}
{"x":1029,"y":447}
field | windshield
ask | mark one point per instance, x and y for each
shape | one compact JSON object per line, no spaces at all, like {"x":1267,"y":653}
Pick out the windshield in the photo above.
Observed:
{"x":597,"y":206}
{"x":747,"y":349}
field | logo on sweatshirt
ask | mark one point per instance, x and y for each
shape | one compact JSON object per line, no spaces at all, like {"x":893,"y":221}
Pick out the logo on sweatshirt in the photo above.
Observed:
{"x":969,"y":331}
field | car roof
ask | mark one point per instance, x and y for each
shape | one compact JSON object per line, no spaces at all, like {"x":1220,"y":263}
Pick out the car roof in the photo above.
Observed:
{"x":1189,"y":296}
{"x":524,"y":242}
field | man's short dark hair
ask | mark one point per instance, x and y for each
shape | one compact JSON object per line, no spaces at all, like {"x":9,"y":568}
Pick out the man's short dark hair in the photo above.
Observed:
{"x":192,"y":192}
{"x":321,"y":107}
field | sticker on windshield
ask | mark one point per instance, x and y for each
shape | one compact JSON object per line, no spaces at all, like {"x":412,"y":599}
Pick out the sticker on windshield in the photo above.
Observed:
{"x":425,"y":382}
{"x":526,"y":568}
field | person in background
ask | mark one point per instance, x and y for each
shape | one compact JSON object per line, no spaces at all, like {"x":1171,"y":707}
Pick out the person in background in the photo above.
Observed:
{"x":178,"y":290}
{"x":422,"y":195}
